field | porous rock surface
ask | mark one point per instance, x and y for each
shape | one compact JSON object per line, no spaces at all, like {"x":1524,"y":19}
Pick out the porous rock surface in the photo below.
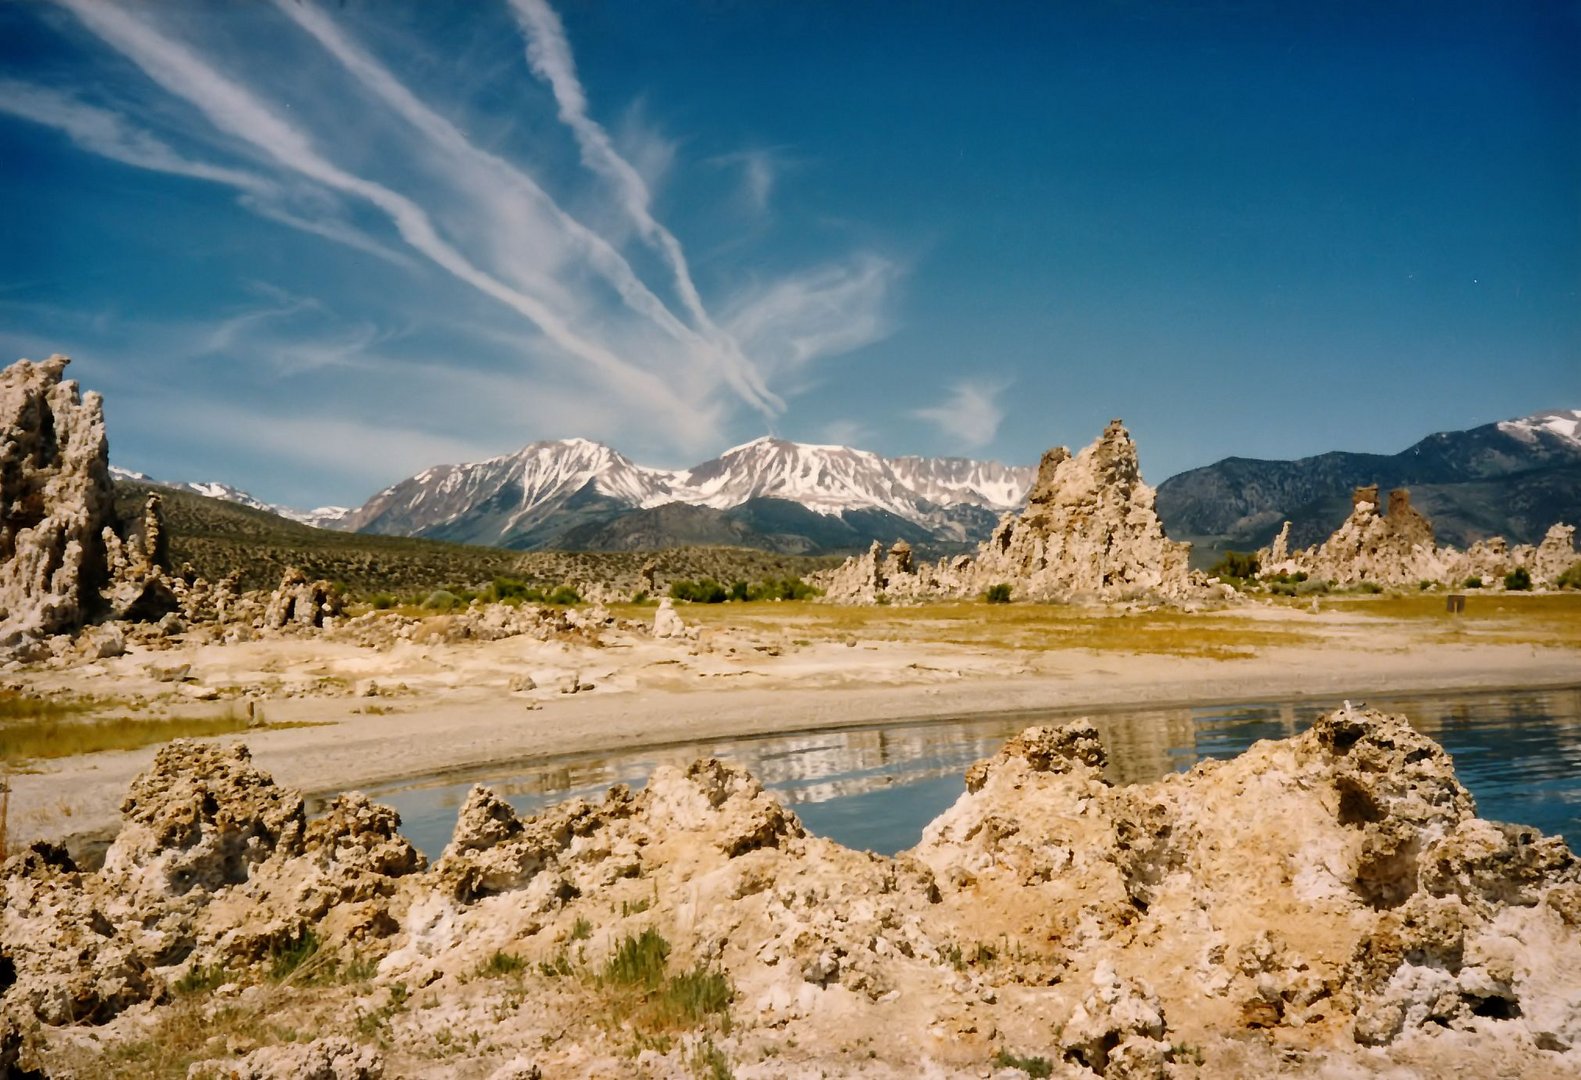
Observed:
{"x":1328,"y":904}
{"x":1397,"y":548}
{"x":1089,"y":531}
{"x":55,"y":501}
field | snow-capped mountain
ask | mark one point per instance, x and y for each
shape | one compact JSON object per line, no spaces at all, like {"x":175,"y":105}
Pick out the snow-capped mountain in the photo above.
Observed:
{"x":510,"y":494}
{"x":1513,"y":478}
{"x":1565,"y":423}
{"x":324,"y":517}
{"x":570,"y":490}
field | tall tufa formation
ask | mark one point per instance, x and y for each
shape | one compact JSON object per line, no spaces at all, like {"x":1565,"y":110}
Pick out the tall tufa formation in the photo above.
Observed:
{"x":55,"y":501}
{"x":1089,"y":531}
{"x":1089,"y":528}
{"x":1398,"y":549}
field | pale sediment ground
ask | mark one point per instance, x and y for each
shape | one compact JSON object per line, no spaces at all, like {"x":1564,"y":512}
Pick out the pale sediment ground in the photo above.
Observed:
{"x":767,"y":668}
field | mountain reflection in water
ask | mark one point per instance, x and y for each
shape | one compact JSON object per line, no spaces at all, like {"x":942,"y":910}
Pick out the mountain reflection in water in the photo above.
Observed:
{"x":877,"y":787}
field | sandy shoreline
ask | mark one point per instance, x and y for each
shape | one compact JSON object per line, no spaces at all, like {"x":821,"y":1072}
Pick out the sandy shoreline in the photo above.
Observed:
{"x":457,"y":713}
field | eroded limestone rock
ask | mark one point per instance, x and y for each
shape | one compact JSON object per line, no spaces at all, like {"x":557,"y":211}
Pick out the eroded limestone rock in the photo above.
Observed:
{"x":301,"y":603}
{"x":1398,"y":549}
{"x":1089,"y":531}
{"x":55,"y":501}
{"x":1329,"y":900}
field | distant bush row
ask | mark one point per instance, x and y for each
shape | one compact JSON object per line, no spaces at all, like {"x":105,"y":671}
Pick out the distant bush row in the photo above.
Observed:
{"x":709,"y":591}
{"x":501,"y":590}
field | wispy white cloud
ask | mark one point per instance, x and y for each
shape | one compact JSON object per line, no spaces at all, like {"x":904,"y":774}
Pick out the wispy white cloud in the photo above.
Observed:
{"x":111,"y":135}
{"x":760,"y":171}
{"x":826,"y":311}
{"x":231,"y":108}
{"x":532,"y":219}
{"x":560,"y":324}
{"x":970,"y":413}
{"x":549,"y":54}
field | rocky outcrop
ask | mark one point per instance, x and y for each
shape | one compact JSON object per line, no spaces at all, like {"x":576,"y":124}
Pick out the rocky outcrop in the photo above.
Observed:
{"x":214,"y":868}
{"x":301,"y":603}
{"x":1556,"y":554}
{"x":1329,"y":902}
{"x":333,"y":1058}
{"x":1089,"y":531}
{"x":140,"y":590}
{"x":667,"y":622}
{"x":1398,"y":549}
{"x":55,"y":501}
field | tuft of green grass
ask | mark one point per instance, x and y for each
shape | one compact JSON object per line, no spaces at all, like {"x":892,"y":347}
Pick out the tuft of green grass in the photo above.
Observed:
{"x":1035,"y":1067}
{"x":710,"y":1063}
{"x":692,"y":996}
{"x":501,"y":963}
{"x":558,"y":966}
{"x":201,"y":980}
{"x":582,"y":929}
{"x":290,"y":957}
{"x":638,"y":961}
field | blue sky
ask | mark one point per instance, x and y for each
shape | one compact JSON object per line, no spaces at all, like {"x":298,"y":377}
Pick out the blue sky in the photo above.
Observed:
{"x":309,"y":249}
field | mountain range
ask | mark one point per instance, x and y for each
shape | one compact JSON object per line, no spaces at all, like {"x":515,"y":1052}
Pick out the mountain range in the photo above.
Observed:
{"x":769,"y":493}
{"x":1512,"y":478}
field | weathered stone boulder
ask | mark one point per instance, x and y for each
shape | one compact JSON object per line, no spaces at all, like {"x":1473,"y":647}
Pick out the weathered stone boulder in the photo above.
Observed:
{"x":55,"y":501}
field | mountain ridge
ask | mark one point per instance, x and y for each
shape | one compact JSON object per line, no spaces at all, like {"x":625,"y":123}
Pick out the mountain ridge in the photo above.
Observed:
{"x":572,"y":491}
{"x":1512,"y":478}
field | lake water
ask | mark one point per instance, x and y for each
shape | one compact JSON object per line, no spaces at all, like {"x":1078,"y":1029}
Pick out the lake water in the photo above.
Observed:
{"x":876,"y":787}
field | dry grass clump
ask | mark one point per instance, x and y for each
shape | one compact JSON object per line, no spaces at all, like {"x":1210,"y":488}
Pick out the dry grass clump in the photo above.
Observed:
{"x":34,"y":729}
{"x":1552,"y":619}
{"x":1030,"y":627}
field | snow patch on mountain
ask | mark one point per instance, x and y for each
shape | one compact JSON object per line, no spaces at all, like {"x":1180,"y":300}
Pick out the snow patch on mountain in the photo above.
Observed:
{"x":1565,"y":423}
{"x":323,"y":517}
{"x":514,"y":492}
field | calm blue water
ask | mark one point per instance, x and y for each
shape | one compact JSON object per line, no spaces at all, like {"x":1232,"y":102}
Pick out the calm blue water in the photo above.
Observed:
{"x":875,"y":788}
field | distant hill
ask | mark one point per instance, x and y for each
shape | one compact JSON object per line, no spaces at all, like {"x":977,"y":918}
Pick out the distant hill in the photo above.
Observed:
{"x":217,"y":536}
{"x":1513,"y":478}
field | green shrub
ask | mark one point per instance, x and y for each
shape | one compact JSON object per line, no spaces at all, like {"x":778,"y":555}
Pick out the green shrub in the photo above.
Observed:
{"x":998,"y":594}
{"x":1518,"y":580}
{"x":1235,"y":567}
{"x":1370,"y":587}
{"x":1571,"y":578}
{"x":705,"y":591}
{"x":1317,"y":587}
{"x":384,"y":601}
{"x":790,"y":588}
{"x":506,"y":590}
{"x":443,"y":600}
{"x":739,"y":590}
{"x":564,"y":596}
{"x":1474,"y":581}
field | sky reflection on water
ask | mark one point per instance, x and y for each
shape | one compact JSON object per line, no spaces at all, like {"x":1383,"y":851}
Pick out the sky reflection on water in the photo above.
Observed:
{"x":876,"y":787}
